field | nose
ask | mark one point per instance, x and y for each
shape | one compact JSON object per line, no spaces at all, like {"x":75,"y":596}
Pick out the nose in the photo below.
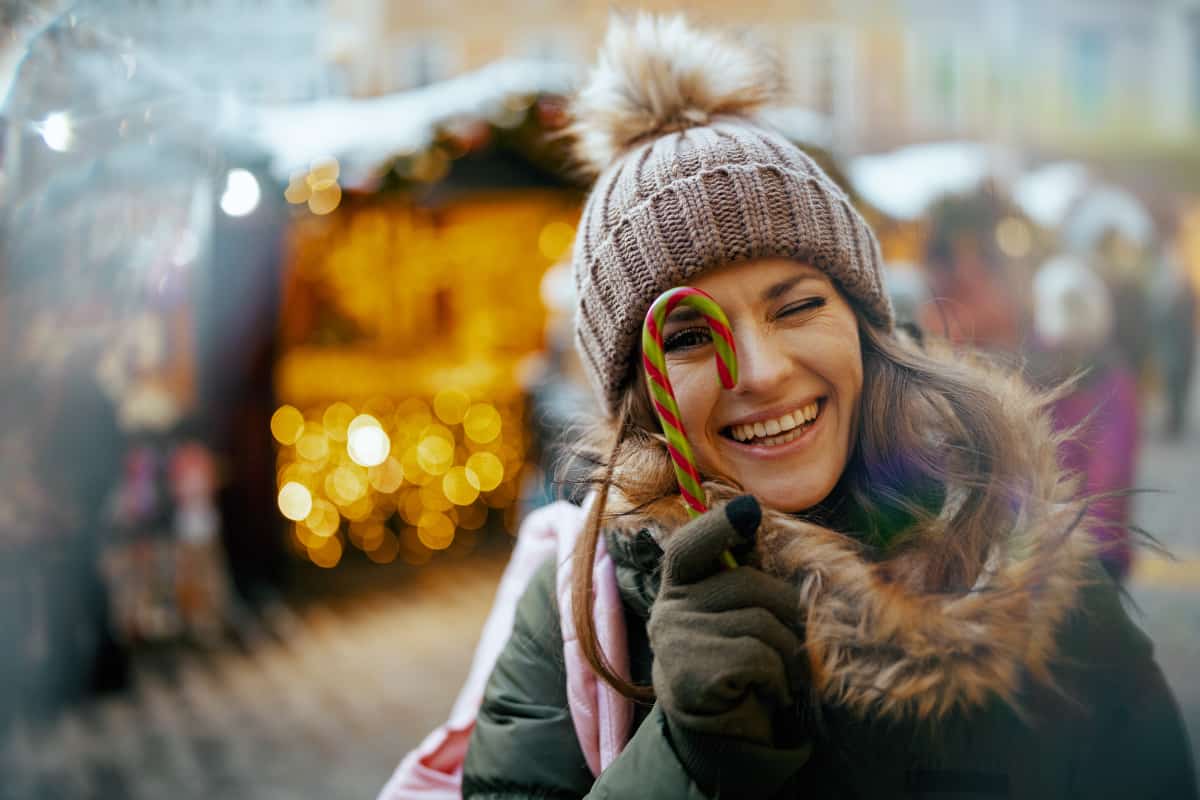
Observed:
{"x":763,"y":366}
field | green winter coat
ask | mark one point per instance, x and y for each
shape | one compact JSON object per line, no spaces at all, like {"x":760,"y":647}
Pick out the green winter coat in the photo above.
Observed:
{"x":1111,"y":731}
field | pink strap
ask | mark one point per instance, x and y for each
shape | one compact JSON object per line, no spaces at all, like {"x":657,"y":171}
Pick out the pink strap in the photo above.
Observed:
{"x":601,"y":714}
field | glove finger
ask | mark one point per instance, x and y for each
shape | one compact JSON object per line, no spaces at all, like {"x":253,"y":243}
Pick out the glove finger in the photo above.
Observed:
{"x":745,"y":587}
{"x":694,"y":550}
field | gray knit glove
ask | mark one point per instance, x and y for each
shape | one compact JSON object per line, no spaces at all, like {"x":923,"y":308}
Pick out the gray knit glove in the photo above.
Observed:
{"x":727,"y":653}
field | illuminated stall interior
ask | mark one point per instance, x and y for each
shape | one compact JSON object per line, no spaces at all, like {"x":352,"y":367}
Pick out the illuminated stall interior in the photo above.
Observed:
{"x":408,"y":316}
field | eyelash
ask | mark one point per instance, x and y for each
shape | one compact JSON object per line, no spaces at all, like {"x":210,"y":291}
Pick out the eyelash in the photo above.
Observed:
{"x":696,"y":336}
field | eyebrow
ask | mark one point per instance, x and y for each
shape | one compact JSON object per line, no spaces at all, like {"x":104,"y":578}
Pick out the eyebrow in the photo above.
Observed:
{"x":683,"y":314}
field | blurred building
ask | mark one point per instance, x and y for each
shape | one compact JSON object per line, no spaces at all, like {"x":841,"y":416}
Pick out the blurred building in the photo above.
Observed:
{"x":1051,"y":74}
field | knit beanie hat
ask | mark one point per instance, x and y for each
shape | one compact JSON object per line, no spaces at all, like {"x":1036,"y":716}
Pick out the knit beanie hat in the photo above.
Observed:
{"x":689,"y":179}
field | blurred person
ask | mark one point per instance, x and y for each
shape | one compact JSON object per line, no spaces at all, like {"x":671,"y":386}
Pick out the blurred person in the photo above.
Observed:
{"x":1097,"y":409}
{"x":1121,"y":265}
{"x":975,"y":301}
{"x":1173,"y":303}
{"x":916,"y":609}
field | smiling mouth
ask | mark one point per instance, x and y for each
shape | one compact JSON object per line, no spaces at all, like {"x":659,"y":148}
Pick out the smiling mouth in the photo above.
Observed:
{"x":776,"y":432}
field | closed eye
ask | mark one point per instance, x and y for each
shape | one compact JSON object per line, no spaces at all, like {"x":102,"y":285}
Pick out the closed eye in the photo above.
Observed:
{"x":811,"y":304}
{"x":687,"y":338}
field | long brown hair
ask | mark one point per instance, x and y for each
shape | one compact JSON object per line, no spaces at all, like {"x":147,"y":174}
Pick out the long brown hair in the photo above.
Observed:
{"x":935,"y":452}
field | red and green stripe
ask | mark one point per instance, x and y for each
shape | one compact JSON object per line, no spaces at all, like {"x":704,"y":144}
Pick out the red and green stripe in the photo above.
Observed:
{"x":655,"y":363}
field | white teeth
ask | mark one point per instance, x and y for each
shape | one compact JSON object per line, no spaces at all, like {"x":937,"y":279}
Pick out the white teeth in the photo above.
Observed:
{"x":777,"y":431}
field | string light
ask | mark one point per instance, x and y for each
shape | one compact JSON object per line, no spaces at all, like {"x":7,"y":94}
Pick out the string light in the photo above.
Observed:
{"x":241,"y":194}
{"x":451,"y":405}
{"x":482,"y":423}
{"x":295,"y":501}
{"x":367,"y":443}
{"x":56,"y":131}
{"x":287,"y":425}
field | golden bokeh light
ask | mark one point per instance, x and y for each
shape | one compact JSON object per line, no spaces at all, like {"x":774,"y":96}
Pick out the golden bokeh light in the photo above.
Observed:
{"x":287,"y":425}
{"x":313,"y":445}
{"x":502,"y":496}
{"x":411,"y":508}
{"x":412,"y":549}
{"x":385,"y":550}
{"x":451,"y":405}
{"x":1014,"y":237}
{"x":324,"y":519}
{"x":302,"y":473}
{"x":435,"y":530}
{"x":336,"y":420}
{"x":325,"y":168}
{"x":295,"y":501}
{"x":555,"y":239}
{"x":433,"y":498}
{"x":472,"y":517}
{"x":482,"y":423}
{"x":387,"y":477}
{"x":367,"y":534}
{"x":412,"y":415}
{"x":360,"y":509}
{"x":328,"y":554}
{"x":367,"y":442}
{"x":346,"y":484}
{"x":297,"y":191}
{"x":459,"y":487}
{"x":413,"y":472}
{"x":325,"y":197}
{"x":487,"y":470}
{"x":435,"y":455}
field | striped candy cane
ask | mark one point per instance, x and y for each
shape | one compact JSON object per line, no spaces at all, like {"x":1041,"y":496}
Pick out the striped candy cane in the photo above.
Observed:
{"x":655,"y":363}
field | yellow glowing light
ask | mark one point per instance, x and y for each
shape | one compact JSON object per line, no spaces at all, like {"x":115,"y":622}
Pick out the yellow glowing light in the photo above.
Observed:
{"x":325,"y":197}
{"x":367,"y":443}
{"x":450,"y":405}
{"x":412,"y":508}
{"x":323,"y":169}
{"x":323,"y":520}
{"x":304,"y":474}
{"x":57,"y":132}
{"x":336,"y":420}
{"x":360,"y":509}
{"x":555,"y":239}
{"x":413,"y":472}
{"x":328,"y":554}
{"x":472,"y":517}
{"x":312,"y":444}
{"x":367,"y":534}
{"x":413,"y":414}
{"x":435,"y":455}
{"x":502,"y":496}
{"x":349,"y":484}
{"x":487,"y":470}
{"x":1014,"y":237}
{"x":295,"y":501}
{"x":482,"y":423}
{"x":435,"y":530}
{"x":433,"y":498}
{"x":459,"y":488}
{"x":440,"y":431}
{"x":412,"y":549}
{"x":386,"y":550}
{"x":386,"y":477}
{"x":297,"y":191}
{"x":287,"y":424}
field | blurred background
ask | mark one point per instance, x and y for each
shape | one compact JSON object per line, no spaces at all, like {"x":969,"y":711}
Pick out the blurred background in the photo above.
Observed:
{"x":285,"y":333}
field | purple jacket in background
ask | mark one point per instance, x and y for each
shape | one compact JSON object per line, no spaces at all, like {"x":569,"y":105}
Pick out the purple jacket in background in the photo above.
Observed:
{"x":1104,"y":453}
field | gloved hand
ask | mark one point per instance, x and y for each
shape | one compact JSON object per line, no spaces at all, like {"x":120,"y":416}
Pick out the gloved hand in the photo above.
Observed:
{"x":727,"y":653}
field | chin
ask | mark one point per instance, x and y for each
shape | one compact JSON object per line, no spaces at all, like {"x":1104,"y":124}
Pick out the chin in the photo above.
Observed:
{"x":790,"y":499}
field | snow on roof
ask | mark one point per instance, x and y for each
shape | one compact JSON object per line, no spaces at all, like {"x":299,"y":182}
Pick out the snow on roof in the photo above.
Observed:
{"x":1047,"y":193}
{"x":905,"y":182}
{"x":363,"y":134}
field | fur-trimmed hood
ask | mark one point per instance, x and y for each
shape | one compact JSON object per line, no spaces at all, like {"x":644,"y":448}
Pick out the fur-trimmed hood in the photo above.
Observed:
{"x":880,"y":641}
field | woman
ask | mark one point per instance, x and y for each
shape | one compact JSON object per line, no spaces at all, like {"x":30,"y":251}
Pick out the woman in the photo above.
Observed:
{"x":917,"y":610}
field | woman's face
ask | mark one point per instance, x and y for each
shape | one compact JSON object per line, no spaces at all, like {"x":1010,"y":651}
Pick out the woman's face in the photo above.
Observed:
{"x":784,"y":432}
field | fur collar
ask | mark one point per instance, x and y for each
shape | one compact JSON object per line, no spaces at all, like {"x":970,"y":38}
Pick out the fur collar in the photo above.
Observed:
{"x":880,"y":642}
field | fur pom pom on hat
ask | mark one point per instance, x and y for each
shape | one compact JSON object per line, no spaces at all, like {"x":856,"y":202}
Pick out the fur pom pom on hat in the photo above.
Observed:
{"x":689,"y":180}
{"x":657,"y":74}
